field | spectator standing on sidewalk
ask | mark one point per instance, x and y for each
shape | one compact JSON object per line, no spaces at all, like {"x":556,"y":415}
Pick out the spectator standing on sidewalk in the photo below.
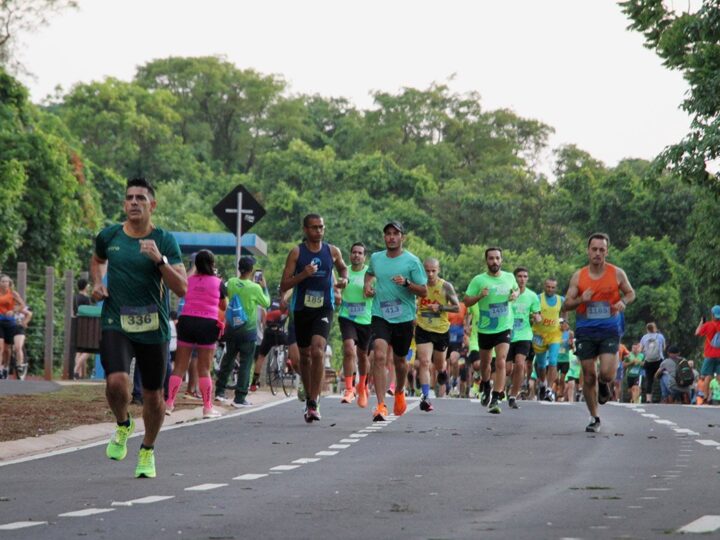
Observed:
{"x":710,"y":330}
{"x":241,"y":336}
{"x":652,"y":345}
{"x":670,"y":373}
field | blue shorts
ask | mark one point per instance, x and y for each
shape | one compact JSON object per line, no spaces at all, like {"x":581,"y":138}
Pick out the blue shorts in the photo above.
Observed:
{"x":710,"y":367}
{"x":549,"y":357}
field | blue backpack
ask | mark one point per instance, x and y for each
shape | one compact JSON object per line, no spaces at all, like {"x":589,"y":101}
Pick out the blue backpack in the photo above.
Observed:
{"x":235,"y":316}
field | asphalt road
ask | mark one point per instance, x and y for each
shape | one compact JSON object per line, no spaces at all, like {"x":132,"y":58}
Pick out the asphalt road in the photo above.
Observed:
{"x":457,"y":472}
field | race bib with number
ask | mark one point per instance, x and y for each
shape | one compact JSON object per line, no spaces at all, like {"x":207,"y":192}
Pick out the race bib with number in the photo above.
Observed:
{"x":355,"y":309}
{"x":498,"y":310}
{"x":139,"y":319}
{"x":314,"y":299}
{"x":598,"y":310}
{"x":391,"y":309}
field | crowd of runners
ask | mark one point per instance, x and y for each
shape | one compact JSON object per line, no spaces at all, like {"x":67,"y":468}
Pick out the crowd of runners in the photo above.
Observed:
{"x":404,"y":328}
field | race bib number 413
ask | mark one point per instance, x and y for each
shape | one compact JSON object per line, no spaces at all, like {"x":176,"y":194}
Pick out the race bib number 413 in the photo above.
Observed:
{"x":139,"y":319}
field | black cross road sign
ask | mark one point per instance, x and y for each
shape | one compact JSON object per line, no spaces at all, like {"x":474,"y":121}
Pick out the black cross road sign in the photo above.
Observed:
{"x":226,"y":210}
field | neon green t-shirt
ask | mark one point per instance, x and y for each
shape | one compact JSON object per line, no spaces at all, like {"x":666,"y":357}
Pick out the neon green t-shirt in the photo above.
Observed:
{"x":251,"y":296}
{"x":495,"y":312}
{"x":355,"y":306}
{"x":525,"y":305}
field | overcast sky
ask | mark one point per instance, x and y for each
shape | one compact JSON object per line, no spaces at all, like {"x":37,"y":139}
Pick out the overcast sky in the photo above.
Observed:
{"x":569,"y":63}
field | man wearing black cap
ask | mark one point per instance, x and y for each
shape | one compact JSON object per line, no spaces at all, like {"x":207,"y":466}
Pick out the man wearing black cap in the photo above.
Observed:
{"x":309,"y":270}
{"x":394,"y":278}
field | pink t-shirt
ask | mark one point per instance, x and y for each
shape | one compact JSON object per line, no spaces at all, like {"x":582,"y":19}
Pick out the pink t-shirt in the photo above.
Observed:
{"x":203,"y":297}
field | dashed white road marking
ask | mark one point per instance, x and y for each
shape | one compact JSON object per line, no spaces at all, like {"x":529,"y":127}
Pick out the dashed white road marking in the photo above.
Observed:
{"x":327,"y":453}
{"x":665,"y":422}
{"x":639,"y":410}
{"x":348,"y":440}
{"x":657,"y":489}
{"x":686,"y":431}
{"x":204,"y":487}
{"x":303,"y":461}
{"x":144,"y":500}
{"x":707,"y":442}
{"x":21,"y":525}
{"x":358,"y":435}
{"x":704,"y":524}
{"x":650,"y":415}
{"x":250,"y":476}
{"x":87,"y":512}
{"x":339,"y":446}
{"x":285,"y":467}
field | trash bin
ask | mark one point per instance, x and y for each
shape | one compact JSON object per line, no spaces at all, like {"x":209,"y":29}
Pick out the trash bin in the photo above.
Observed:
{"x":87,"y":330}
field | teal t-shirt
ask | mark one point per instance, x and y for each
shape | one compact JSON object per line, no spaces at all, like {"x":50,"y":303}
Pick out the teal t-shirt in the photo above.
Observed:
{"x":251,"y":296}
{"x":137,"y":304}
{"x":393,"y":302}
{"x":525,"y":305}
{"x":495,"y":312}
{"x":355,"y":306}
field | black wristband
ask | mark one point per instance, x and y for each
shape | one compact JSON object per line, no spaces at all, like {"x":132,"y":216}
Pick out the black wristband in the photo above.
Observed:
{"x":407,"y":283}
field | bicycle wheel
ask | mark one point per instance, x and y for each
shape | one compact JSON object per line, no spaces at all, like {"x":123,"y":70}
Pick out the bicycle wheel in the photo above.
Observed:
{"x":288,"y":375}
{"x":273,"y":372}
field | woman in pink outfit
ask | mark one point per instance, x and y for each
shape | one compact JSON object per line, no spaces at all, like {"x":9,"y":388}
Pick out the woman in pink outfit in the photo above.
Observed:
{"x":198,"y":328}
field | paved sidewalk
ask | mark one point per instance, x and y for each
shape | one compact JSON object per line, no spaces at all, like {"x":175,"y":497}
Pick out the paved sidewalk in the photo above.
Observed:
{"x":84,"y":435}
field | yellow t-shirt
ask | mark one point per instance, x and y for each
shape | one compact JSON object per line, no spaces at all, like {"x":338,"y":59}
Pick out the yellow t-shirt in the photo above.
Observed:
{"x":429,"y":320}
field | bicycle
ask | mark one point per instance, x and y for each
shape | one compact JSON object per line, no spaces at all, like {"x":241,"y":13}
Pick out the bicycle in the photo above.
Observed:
{"x":279,"y":373}
{"x":217,"y":360}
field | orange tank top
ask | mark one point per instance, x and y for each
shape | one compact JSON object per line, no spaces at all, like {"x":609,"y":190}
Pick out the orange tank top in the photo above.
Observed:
{"x":605,"y":289}
{"x":7,"y":302}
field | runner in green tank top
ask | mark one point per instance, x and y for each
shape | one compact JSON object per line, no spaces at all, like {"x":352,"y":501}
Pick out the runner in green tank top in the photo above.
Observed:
{"x":354,"y":320}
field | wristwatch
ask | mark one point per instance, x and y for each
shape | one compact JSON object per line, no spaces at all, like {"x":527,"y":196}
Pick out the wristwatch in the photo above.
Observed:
{"x":407,"y":283}
{"x":162,"y":261}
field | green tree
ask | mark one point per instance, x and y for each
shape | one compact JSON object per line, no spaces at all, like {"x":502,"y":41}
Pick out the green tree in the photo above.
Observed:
{"x":688,"y":43}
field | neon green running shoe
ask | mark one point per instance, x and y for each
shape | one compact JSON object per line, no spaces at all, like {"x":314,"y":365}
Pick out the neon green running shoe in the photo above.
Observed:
{"x":146,"y":463}
{"x":117,"y":447}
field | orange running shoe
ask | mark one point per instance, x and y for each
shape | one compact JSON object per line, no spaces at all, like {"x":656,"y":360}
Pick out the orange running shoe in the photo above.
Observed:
{"x":362,"y":396}
{"x":380,"y":413}
{"x":348,"y":396}
{"x":400,"y":406}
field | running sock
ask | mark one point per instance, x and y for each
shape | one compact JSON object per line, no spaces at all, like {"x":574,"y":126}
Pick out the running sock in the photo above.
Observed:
{"x":425,"y":389}
{"x":256,"y":378}
{"x":362,"y":382}
{"x":126,"y":423}
{"x":486,"y":386}
{"x":173,"y":387}
{"x":146,"y":447}
{"x":205,"y":384}
{"x":349,"y":382}
{"x":496,"y":396}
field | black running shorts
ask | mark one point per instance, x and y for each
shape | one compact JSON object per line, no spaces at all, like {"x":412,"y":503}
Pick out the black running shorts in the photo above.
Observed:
{"x":439,"y":341}
{"x":398,"y":335}
{"x":312,"y":322}
{"x":359,"y":333}
{"x":117,"y":351}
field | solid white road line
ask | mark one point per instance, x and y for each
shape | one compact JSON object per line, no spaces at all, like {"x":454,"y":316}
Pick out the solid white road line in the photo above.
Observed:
{"x":138,"y":433}
{"x":704,"y":524}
